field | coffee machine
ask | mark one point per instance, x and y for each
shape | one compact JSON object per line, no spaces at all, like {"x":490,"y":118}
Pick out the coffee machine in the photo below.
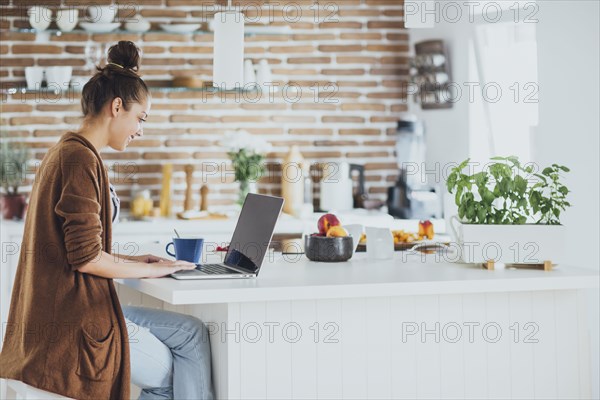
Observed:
{"x":412,"y":197}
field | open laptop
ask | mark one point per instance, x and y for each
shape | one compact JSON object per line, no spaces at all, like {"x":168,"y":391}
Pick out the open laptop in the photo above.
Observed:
{"x":249,"y":244}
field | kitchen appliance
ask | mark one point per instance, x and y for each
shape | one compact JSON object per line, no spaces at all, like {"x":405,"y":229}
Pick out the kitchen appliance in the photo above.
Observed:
{"x":337,"y":187}
{"x":412,"y":197}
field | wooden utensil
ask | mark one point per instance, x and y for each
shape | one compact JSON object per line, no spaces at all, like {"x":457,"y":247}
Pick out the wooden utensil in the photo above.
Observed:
{"x":204,"y":198}
{"x":188,"y":203}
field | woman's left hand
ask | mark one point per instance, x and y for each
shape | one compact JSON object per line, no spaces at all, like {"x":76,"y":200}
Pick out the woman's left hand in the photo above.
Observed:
{"x":150,"y":258}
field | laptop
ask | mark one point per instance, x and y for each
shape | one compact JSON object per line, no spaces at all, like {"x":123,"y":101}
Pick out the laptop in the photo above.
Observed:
{"x":249,"y":244}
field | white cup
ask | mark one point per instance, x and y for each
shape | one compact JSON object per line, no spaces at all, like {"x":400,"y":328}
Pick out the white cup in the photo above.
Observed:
{"x":102,"y":14}
{"x":34,"y":77}
{"x":67,"y":19}
{"x":39,"y":17}
{"x":58,"y":77}
{"x":380,"y":243}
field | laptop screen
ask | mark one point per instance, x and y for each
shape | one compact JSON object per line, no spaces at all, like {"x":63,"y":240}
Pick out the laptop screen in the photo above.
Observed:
{"x":253,"y":232}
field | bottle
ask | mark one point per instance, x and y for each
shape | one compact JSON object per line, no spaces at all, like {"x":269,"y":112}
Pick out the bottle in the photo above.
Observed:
{"x":165,"y":192}
{"x":292,"y":184}
{"x":307,"y":204}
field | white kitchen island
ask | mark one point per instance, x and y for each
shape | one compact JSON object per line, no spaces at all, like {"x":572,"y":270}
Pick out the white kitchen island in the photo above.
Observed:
{"x":410,"y":327}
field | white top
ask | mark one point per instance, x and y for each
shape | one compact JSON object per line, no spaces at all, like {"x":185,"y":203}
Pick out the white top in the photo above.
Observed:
{"x":294,"y":277}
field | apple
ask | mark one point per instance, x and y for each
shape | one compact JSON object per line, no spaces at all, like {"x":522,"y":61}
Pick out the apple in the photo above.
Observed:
{"x":326,"y":222}
{"x":426,"y":229}
{"x":337,"y":231}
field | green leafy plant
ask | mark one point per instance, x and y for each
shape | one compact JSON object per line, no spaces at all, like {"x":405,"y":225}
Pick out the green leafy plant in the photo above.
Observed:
{"x":13,"y":159}
{"x":508,"y":192}
{"x":247,"y":166}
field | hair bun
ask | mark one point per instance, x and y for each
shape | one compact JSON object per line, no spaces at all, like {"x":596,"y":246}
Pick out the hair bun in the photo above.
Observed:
{"x":126,"y":54}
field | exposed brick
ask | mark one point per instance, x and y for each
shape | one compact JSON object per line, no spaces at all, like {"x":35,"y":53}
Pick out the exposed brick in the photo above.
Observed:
{"x":164,"y":13}
{"x":3,"y":49}
{"x":363,"y":107}
{"x":115,"y":37}
{"x":123,"y":155}
{"x":7,"y":36}
{"x":309,"y":60}
{"x":335,"y":143}
{"x":293,"y":118}
{"x":156,"y":155}
{"x":48,"y":132}
{"x":319,"y":155}
{"x":192,"y":49}
{"x":70,"y":37}
{"x":396,"y":48}
{"x":292,"y":49}
{"x":360,"y":131}
{"x":367,"y":154}
{"x":385,"y":25}
{"x":47,"y":62}
{"x":16,"y":62}
{"x":356,"y":60}
{"x":243,"y":118}
{"x":357,"y":83}
{"x":313,"y":106}
{"x":344,"y":119}
{"x":58,"y":107}
{"x":379,"y":166}
{"x":397,"y":37}
{"x":345,"y":72}
{"x":193,"y":118}
{"x":7,"y":108}
{"x":164,"y":37}
{"x":145,"y":143}
{"x":310,"y":131}
{"x":188,"y":142}
{"x":36,"y":49}
{"x":31,"y":120}
{"x":339,"y":48}
{"x":310,"y":36}
{"x":340,"y":25}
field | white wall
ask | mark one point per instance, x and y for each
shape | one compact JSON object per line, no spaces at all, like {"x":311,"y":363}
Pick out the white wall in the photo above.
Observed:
{"x":568,"y":131}
{"x":569,"y":127}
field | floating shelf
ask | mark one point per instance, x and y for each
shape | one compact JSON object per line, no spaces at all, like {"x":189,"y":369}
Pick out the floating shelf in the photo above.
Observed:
{"x":269,"y":31}
{"x":163,"y":89}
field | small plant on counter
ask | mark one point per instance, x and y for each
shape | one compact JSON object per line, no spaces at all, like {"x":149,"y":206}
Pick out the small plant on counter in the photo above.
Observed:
{"x":246,"y":153}
{"x":509,"y":193}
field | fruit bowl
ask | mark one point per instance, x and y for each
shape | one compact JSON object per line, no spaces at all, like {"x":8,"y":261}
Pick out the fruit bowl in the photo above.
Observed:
{"x":328,"y":249}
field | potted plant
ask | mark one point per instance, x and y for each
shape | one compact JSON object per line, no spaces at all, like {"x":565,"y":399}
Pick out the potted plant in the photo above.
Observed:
{"x":509,"y":212}
{"x":246,"y":153}
{"x":14,"y":157}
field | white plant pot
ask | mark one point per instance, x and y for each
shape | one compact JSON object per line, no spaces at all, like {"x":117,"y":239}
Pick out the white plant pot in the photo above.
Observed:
{"x":509,"y":244}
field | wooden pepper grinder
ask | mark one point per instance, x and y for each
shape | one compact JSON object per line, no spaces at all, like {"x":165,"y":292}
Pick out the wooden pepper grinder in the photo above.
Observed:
{"x":204,"y":198}
{"x":188,"y":203}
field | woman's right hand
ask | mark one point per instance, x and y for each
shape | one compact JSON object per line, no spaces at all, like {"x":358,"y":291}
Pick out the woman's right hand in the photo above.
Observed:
{"x":165,"y":268}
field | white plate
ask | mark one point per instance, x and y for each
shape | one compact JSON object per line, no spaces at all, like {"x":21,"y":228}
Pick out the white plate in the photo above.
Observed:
{"x":96,"y":27}
{"x":180,"y":28}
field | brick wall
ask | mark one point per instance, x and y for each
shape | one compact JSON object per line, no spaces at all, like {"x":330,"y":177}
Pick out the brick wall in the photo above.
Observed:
{"x":354,"y":55}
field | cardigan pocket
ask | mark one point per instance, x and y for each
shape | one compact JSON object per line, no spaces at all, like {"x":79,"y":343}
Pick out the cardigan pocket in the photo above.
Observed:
{"x":96,"y":357}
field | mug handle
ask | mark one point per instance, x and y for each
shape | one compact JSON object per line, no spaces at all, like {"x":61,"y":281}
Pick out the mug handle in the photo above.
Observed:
{"x":167,"y":250}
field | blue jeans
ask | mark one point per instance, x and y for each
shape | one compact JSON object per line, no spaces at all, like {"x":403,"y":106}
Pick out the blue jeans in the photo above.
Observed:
{"x":170,"y":354}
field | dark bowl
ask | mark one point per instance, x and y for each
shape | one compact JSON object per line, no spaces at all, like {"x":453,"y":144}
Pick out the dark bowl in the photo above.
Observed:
{"x":328,"y":249}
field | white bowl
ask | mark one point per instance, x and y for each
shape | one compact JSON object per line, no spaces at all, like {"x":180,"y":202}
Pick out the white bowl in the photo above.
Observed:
{"x":34,"y":77}
{"x":58,"y":77}
{"x":98,"y":27}
{"x":180,"y":28}
{"x":39,"y":17}
{"x":137,"y":24}
{"x":67,"y":19}
{"x":102,"y":14}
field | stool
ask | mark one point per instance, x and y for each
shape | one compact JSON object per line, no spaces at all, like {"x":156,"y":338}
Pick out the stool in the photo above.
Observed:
{"x":18,"y":390}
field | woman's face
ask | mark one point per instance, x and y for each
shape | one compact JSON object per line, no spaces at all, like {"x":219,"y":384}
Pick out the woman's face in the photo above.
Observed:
{"x":126,"y":125}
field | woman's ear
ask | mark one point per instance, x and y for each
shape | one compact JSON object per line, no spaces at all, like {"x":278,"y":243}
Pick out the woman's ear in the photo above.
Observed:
{"x":116,"y":106}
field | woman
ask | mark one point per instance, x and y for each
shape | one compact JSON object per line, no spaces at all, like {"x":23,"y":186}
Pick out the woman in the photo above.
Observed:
{"x":66,"y":331}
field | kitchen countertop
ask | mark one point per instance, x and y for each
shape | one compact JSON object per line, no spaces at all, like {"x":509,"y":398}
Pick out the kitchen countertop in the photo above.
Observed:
{"x":286,"y":277}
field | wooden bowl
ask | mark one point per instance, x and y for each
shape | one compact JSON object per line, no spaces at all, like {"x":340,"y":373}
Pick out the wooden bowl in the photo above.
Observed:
{"x":328,"y":249}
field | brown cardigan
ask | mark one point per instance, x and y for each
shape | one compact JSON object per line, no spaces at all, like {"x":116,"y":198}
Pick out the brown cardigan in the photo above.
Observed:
{"x":66,"y":332}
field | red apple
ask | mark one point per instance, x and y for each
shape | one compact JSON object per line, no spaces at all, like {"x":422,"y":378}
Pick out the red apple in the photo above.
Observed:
{"x":326,"y":222}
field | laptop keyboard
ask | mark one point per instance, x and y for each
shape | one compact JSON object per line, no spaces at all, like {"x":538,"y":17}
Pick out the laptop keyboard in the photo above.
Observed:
{"x":213,"y":269}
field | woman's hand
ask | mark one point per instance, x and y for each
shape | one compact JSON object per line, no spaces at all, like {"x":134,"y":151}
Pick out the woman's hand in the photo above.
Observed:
{"x":159,"y":269}
{"x":150,"y":258}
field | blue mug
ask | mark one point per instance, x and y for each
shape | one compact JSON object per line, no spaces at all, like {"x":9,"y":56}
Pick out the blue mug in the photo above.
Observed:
{"x":187,"y":249}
